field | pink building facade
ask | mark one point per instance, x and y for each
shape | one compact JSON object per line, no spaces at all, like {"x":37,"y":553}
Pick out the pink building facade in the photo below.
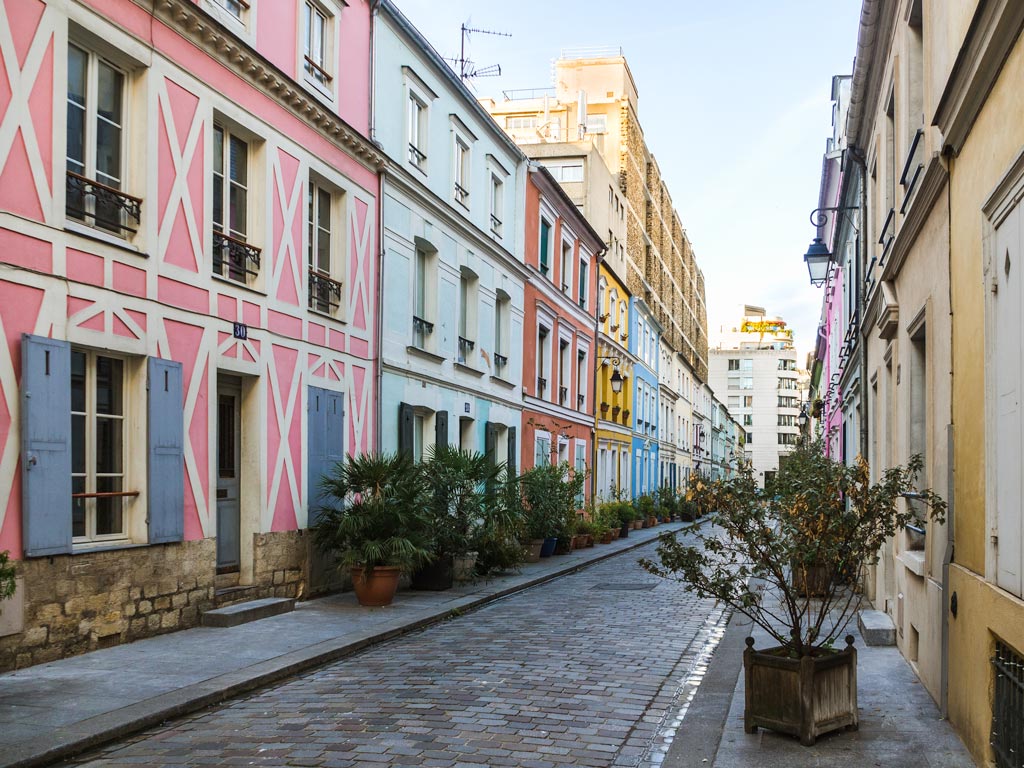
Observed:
{"x":187,"y":303}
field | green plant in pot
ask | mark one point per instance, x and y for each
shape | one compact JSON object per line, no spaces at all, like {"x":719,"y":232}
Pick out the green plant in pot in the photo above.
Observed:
{"x":8,"y":576}
{"x":460,"y":487}
{"x":820,"y":515}
{"x":549,"y":494}
{"x":374,"y":522}
{"x":500,"y":540}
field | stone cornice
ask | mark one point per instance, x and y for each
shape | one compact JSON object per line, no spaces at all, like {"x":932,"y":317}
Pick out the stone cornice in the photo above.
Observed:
{"x":989,"y":40}
{"x":934,"y":181}
{"x":195,"y":25}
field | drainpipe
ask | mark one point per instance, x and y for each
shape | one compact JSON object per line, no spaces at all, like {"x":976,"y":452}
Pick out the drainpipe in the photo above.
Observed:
{"x":947,"y":557}
{"x":378,"y":410}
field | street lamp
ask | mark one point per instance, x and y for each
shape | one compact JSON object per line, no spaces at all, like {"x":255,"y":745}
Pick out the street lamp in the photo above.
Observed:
{"x":818,"y":256}
{"x":617,"y":378}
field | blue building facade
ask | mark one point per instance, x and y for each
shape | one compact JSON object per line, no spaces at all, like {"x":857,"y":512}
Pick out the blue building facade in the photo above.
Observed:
{"x":644,"y":344}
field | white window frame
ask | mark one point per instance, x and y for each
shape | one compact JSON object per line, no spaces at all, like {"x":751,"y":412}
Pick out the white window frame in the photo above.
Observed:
{"x":497,"y":203}
{"x":427,"y":285}
{"x":418,"y":138}
{"x":320,"y":77}
{"x":541,"y":437}
{"x":462,"y":162}
{"x":127,"y":435}
{"x":582,"y":382}
{"x":335,"y":272}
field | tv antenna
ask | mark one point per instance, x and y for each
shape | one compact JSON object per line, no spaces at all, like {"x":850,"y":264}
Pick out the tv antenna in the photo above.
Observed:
{"x":466,"y":68}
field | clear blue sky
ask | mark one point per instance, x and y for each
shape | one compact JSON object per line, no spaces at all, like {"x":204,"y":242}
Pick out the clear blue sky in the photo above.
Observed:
{"x":734,"y":103}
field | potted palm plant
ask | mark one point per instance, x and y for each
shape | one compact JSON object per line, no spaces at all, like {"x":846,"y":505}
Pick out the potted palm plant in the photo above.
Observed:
{"x":460,"y":488}
{"x":821,"y":515}
{"x":374,"y":522}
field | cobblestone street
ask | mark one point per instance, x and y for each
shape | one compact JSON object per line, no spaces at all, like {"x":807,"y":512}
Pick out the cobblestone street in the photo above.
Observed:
{"x":585,"y":670}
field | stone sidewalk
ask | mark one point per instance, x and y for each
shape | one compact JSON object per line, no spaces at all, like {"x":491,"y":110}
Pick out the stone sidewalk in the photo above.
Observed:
{"x":61,"y":708}
{"x":900,"y":725}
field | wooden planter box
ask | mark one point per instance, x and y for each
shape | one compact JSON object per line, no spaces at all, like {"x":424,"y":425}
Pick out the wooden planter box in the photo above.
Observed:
{"x":803,"y":697}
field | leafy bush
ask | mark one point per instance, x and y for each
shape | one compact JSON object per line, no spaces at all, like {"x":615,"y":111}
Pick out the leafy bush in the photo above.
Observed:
{"x":377,"y":516}
{"x":549,"y":494}
{"x":460,"y":488}
{"x":499,"y":543}
{"x":821,"y":514}
{"x":7,"y":576}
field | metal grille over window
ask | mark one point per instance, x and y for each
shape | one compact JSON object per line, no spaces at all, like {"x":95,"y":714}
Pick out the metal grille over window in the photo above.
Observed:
{"x":1008,"y":707}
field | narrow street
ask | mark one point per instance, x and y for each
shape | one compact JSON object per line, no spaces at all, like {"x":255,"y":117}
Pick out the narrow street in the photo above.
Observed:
{"x":586,"y":670}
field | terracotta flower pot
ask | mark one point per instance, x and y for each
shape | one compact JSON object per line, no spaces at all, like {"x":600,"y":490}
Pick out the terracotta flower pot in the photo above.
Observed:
{"x":376,"y":587}
{"x":532,"y":550}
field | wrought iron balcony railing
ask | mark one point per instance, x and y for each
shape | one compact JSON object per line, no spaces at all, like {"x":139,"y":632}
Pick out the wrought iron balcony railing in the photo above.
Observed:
{"x":461,"y":193}
{"x":563,"y":395}
{"x":101,"y":205}
{"x":233,"y":258}
{"x":416,"y":156}
{"x":466,"y":347}
{"x":324,"y":292}
{"x":420,"y":330}
{"x":542,"y":384}
{"x":500,"y":361}
{"x":912,"y":169}
{"x":495,"y":224}
{"x":579,"y":401}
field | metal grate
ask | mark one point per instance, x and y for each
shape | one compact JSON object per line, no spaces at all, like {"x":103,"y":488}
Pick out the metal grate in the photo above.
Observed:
{"x":1008,"y":708}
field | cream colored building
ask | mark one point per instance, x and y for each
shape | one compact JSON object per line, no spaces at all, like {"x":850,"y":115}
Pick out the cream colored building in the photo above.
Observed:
{"x":753,"y":371}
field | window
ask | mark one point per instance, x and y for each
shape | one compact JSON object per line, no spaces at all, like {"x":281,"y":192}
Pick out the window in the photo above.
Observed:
{"x":750,"y":438}
{"x":748,"y":420}
{"x":417,"y":129}
{"x":324,"y":290}
{"x":563,"y":371}
{"x":583,"y":284}
{"x":418,"y":431}
{"x":497,"y":202}
{"x":747,"y":382}
{"x":97,"y":446}
{"x":542,"y":449}
{"x":581,"y":379}
{"x":468,"y":298}
{"x":565,"y":172}
{"x":543,"y":339}
{"x":748,"y":401}
{"x":233,"y":257}
{"x":734,"y":365}
{"x":747,"y":364}
{"x":95,"y":145}
{"x":501,"y":331}
{"x":566,"y":275}
{"x":545,"y":246}
{"x":422,"y":299}
{"x":521,"y":123}
{"x":462,"y":171}
{"x":597,"y":123}
{"x":234,"y":7}
{"x":785,"y":438}
{"x":316,"y":29}
{"x":600,"y":300}
{"x":734,"y":401}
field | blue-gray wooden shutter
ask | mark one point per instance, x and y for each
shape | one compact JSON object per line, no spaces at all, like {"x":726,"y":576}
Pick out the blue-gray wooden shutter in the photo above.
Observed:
{"x":513,"y":453}
{"x":166,"y":452}
{"x":441,"y":428}
{"x":45,"y":445}
{"x":325,"y":436}
{"x":405,"y":428}
{"x":491,"y":442}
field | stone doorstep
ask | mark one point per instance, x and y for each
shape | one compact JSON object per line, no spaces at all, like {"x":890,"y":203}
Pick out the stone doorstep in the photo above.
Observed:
{"x":876,"y":628}
{"x":242,"y":613}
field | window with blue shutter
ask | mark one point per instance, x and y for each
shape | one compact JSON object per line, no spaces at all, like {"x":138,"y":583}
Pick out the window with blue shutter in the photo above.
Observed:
{"x":45,"y":445}
{"x":166,"y":452}
{"x":325,"y":436}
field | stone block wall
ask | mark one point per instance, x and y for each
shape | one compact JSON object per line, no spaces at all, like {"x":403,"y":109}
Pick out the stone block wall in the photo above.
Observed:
{"x":279,"y":567}
{"x":81,"y":602}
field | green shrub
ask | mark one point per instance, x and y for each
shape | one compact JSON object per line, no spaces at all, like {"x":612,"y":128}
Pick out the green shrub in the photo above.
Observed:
{"x":549,"y":494}
{"x":7,"y":576}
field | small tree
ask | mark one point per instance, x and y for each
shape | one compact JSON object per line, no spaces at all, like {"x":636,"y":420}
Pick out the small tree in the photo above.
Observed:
{"x":822,"y":522}
{"x":549,"y":494}
{"x":7,"y":576}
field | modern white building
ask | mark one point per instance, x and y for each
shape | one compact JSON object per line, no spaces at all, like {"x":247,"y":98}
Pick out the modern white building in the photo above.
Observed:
{"x":753,"y":370}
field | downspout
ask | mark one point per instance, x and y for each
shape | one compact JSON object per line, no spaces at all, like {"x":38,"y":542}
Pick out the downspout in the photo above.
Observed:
{"x":947,"y":557}
{"x":378,"y":411}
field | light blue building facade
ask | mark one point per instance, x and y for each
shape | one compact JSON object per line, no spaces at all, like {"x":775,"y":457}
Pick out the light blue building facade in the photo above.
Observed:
{"x":452,"y":200}
{"x":644,"y":344}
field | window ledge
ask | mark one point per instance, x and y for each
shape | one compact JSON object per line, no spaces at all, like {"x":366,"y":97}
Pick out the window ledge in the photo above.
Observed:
{"x":326,"y":315}
{"x":468,"y":369}
{"x":412,"y":350}
{"x":914,"y":561}
{"x":503,"y":382}
{"x":107,"y":546}
{"x":236,"y":284}
{"x":94,"y":234}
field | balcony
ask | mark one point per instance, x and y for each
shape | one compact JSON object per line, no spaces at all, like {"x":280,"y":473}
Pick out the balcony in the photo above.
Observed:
{"x":466,"y":350}
{"x":420,"y":330}
{"x":234,"y":259}
{"x":318,"y":73}
{"x":500,"y":361}
{"x":542,"y":384}
{"x":495,"y":225}
{"x":579,"y":401}
{"x":461,"y":194}
{"x":563,"y":395}
{"x":102,"y":206}
{"x":913,"y":167}
{"x":416,"y":156}
{"x":324,"y":292}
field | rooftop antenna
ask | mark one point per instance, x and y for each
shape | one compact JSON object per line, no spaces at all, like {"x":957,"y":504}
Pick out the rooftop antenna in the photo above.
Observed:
{"x":467,"y":69}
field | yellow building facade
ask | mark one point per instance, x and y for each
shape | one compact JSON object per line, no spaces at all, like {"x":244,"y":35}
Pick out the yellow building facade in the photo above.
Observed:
{"x":613,"y":418}
{"x":984,"y":140}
